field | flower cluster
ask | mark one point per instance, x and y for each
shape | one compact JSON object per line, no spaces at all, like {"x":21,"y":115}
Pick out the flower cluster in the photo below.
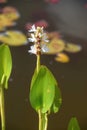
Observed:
{"x":39,"y":38}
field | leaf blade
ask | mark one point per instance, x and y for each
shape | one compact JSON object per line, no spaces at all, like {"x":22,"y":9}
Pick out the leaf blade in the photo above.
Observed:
{"x":5,"y":65}
{"x":42,"y":90}
{"x":73,"y":124}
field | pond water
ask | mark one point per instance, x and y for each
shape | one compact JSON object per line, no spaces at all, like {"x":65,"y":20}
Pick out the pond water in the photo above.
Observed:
{"x":70,"y":19}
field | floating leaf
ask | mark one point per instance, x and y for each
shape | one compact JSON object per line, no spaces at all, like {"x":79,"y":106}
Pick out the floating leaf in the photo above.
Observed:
{"x":4,"y":22}
{"x":53,"y":34}
{"x":5,"y":65}
{"x":13,"y":38}
{"x":56,"y":45}
{"x":11,"y":13}
{"x":42,"y":90}
{"x":62,"y":57}
{"x":8,"y":17}
{"x":72,"y":48}
{"x":73,"y":124}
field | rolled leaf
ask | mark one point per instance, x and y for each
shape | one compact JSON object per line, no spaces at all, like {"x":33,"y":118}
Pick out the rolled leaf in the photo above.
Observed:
{"x":5,"y":65}
{"x":73,"y":124}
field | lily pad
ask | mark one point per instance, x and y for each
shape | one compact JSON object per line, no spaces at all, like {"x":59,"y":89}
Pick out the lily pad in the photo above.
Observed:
{"x":73,"y":48}
{"x":55,"y":46}
{"x":13,"y":38}
{"x":62,"y":57}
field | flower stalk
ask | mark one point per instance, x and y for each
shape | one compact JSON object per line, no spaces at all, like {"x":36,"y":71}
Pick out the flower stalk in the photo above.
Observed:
{"x":43,"y":121}
{"x":38,"y":63}
{"x":2,"y":107}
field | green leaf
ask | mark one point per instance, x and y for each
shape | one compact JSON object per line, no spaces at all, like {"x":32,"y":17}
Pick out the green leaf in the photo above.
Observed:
{"x":73,"y":124}
{"x":57,"y":100}
{"x":42,"y":89}
{"x":33,"y":78}
{"x":5,"y":65}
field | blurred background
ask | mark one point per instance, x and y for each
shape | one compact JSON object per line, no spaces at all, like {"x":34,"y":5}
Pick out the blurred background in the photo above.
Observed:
{"x":69,"y":19}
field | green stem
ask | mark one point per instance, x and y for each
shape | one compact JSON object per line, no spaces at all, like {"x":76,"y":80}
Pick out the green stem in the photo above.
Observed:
{"x":43,"y":121}
{"x":2,"y":107}
{"x":40,"y":120}
{"x":42,"y":116}
{"x":38,"y":62}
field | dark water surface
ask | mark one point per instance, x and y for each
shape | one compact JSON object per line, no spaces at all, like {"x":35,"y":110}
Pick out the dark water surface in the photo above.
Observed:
{"x":70,"y":18}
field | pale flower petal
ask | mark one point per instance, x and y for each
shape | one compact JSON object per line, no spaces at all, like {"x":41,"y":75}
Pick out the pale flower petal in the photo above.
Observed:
{"x":33,"y":29}
{"x":31,"y":39}
{"x":45,"y":38}
{"x":44,"y":48}
{"x":32,"y":49}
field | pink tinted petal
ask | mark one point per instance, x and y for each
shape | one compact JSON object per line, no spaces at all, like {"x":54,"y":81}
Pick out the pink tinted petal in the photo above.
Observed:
{"x":28,"y":26}
{"x":41,"y":23}
{"x":3,"y":1}
{"x":52,"y":1}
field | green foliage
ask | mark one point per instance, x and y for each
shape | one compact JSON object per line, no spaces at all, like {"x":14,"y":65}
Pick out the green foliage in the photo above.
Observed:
{"x":5,"y":65}
{"x":43,"y":91}
{"x":57,"y":100}
{"x":73,"y":124}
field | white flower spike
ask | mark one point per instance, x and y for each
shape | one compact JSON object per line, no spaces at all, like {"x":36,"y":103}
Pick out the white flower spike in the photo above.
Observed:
{"x":39,"y":38}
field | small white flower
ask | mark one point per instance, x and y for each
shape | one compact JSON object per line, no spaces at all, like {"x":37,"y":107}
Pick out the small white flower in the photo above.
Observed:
{"x":38,"y":32}
{"x":32,"y":39}
{"x":33,"y":29}
{"x":32,"y":49}
{"x":44,"y":48}
{"x":44,"y":37}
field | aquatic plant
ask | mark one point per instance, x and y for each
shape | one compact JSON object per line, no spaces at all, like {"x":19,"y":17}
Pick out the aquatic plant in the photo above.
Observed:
{"x":5,"y":71}
{"x":45,"y":96}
